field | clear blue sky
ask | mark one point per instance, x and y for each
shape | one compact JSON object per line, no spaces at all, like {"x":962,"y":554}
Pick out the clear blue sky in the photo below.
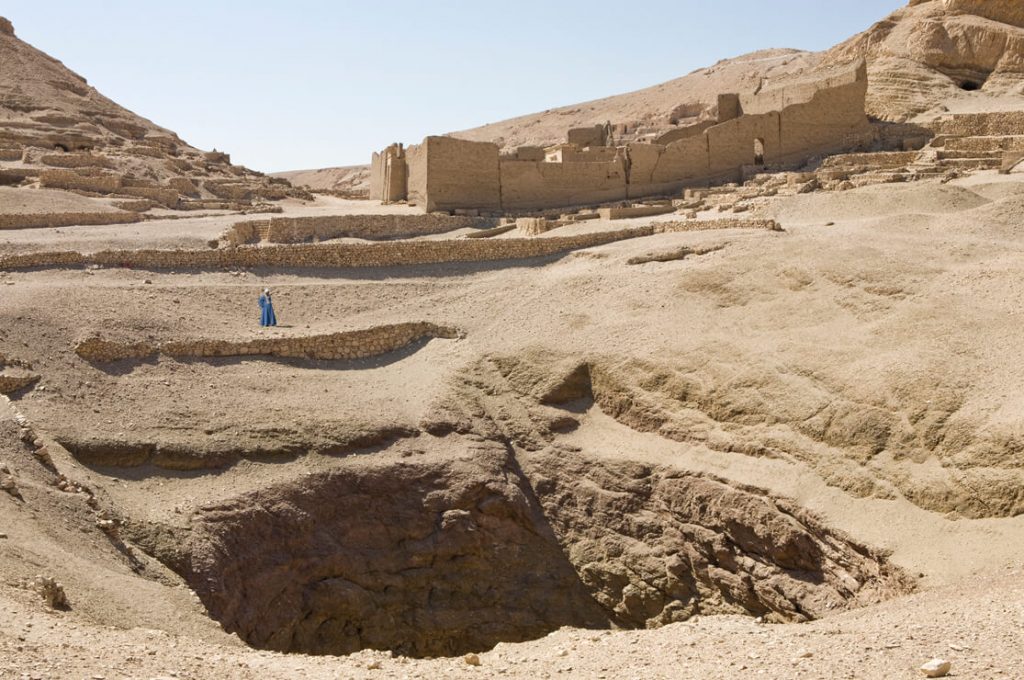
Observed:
{"x":295,"y":84}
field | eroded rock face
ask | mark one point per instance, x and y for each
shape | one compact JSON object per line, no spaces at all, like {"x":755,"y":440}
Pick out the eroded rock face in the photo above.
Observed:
{"x":423,"y":559}
{"x":450,"y":556}
{"x":6,"y":27}
{"x":1004,"y":11}
{"x":930,"y":52}
{"x":656,"y":546}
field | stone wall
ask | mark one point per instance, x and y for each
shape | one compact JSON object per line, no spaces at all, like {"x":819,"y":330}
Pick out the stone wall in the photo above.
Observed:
{"x":371,"y":227}
{"x":77,"y":160}
{"x":358,"y":344}
{"x":455,"y":174}
{"x":635,"y":211}
{"x":10,"y":154}
{"x":981,"y":124}
{"x":780,"y":128}
{"x":389,"y":175}
{"x":529,"y":185}
{"x":596,"y":135}
{"x":71,"y":180}
{"x":52,"y":220}
{"x":402,"y":253}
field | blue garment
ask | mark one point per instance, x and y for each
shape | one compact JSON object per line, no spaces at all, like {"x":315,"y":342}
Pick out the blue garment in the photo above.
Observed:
{"x":267,"y":317}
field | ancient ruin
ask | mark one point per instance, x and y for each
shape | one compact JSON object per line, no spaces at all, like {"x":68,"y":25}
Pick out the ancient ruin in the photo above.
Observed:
{"x":774,"y":129}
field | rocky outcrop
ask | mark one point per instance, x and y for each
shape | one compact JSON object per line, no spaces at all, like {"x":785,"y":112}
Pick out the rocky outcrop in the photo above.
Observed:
{"x":936,"y":51}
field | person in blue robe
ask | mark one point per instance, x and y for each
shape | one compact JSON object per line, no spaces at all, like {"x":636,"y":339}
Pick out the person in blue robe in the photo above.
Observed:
{"x":267,"y":317}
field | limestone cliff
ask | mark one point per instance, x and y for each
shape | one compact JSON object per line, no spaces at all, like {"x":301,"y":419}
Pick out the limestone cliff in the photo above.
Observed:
{"x":50,"y":117}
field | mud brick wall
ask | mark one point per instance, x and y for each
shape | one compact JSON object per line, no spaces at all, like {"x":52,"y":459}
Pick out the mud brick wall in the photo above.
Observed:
{"x":356,"y":344}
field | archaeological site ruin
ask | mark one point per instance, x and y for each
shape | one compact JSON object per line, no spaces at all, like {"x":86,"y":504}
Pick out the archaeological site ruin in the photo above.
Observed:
{"x":772,"y":129}
{"x":715,"y":379}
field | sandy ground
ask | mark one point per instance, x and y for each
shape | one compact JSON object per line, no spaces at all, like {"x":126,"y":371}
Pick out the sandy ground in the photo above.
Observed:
{"x":911,"y":295}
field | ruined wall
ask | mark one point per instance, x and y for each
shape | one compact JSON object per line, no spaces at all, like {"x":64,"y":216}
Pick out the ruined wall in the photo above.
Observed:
{"x":596,"y":135}
{"x":52,"y":220}
{"x":391,"y":254}
{"x":684,"y":132}
{"x":371,"y":227}
{"x":834,"y":119}
{"x":684,"y":162}
{"x":357,"y":344}
{"x":981,"y":124}
{"x":454,"y":174}
{"x":731,"y":144}
{"x":71,"y":180}
{"x":779,"y":128}
{"x":729,"y":107}
{"x":527,"y":185}
{"x":416,"y":175}
{"x":389,"y":175}
{"x":77,"y":160}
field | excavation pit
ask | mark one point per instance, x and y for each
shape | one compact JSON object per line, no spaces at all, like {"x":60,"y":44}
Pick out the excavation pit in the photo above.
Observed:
{"x":445,"y":556}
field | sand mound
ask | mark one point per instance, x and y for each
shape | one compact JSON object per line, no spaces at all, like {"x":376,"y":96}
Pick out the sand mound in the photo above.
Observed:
{"x":876,"y":201}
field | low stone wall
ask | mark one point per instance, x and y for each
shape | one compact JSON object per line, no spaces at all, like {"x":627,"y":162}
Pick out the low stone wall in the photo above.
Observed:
{"x":14,"y":380}
{"x":167,"y":197}
{"x":707,"y":225}
{"x":77,"y":160}
{"x":51,"y":220}
{"x":371,"y":227}
{"x":360,"y":255}
{"x":10,"y":154}
{"x":71,"y":180}
{"x":981,"y":124}
{"x":985,"y":144}
{"x":331,"y":255}
{"x":634,"y":211}
{"x":359,"y":344}
{"x":880,"y":159}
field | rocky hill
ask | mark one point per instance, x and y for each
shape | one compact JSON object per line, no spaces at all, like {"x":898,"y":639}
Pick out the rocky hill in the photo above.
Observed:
{"x":926,"y":59}
{"x":57,"y":131}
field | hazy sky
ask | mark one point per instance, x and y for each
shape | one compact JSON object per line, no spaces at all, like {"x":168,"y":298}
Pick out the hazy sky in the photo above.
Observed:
{"x":301,"y":84}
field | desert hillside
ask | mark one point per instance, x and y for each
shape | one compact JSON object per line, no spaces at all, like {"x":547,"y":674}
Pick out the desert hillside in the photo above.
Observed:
{"x":926,"y":58}
{"x":58,"y":132}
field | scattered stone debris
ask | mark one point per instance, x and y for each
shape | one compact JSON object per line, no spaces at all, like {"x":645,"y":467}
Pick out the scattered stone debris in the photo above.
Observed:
{"x":936,"y":668}
{"x":472,"y":659}
{"x":8,"y":484}
{"x":52,"y":592}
